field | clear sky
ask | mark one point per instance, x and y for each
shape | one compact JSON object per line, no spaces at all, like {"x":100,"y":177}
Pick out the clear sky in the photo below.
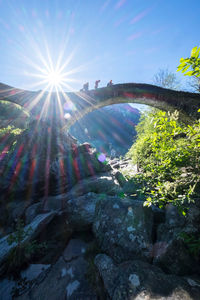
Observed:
{"x":122,"y":40}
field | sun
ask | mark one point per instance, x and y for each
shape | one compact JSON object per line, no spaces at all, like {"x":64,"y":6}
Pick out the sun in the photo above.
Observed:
{"x":54,"y":78}
{"x":53,"y":74}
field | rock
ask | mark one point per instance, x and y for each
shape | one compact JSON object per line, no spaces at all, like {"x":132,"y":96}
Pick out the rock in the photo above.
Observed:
{"x":192,"y":224}
{"x":120,"y":178}
{"x":32,"y":211}
{"x":16,"y":210}
{"x":74,"y":249}
{"x":34,"y":270}
{"x":100,"y":184}
{"x":77,"y":165}
{"x":65,"y":280}
{"x":28,"y":278}
{"x":55,"y":235}
{"x":123,"y":228}
{"x":81,"y":211}
{"x":37,"y":225}
{"x":140,"y":280}
{"x":170,"y":252}
{"x":173,"y":257}
{"x":80,"y":202}
{"x":68,"y":162}
{"x":53,"y":286}
{"x":52,"y":203}
{"x":108,"y":271}
{"x":6,"y":288}
{"x":58,"y":202}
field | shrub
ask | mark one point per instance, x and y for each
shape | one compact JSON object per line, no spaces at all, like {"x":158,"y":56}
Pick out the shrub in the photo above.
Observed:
{"x":192,"y":241}
{"x":168,"y":154}
{"x":23,"y":251}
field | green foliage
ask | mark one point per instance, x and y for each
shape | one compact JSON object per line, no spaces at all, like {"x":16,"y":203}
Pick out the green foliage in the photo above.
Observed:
{"x":11,"y":130}
{"x":8,"y":136}
{"x":190,"y":66}
{"x":22,"y":251}
{"x":192,"y":242}
{"x":10,"y":110}
{"x":22,"y":285}
{"x":168,"y":154}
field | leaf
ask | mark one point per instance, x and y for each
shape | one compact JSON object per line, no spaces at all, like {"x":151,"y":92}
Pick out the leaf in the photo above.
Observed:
{"x":193,"y":52}
{"x":190,"y":73}
{"x":186,"y":68}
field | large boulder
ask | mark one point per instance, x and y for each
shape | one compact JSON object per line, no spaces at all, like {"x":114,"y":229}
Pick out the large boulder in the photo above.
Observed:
{"x":51,"y":203}
{"x":32,"y":211}
{"x":170,"y":251}
{"x":79,"y":202}
{"x":67,"y":278}
{"x":140,"y":280}
{"x":99,"y":184}
{"x":123,"y":228}
{"x":30,"y":161}
{"x":55,"y":235}
{"x":49,"y":159}
{"x":32,"y":275}
{"x":73,"y":166}
{"x":6,"y":288}
{"x":81,"y":211}
{"x":74,"y":249}
{"x":36,"y":226}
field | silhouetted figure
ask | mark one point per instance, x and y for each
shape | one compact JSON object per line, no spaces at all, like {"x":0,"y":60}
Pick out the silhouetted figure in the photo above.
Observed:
{"x":96,"y":84}
{"x":86,"y":86}
{"x":110,"y":83}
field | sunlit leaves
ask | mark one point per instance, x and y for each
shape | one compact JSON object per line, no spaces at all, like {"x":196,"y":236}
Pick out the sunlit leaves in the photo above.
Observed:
{"x":191,"y":63}
{"x":168,"y":154}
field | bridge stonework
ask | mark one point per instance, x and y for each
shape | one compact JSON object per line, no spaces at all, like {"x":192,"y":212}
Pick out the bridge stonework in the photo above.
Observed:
{"x":45,"y":104}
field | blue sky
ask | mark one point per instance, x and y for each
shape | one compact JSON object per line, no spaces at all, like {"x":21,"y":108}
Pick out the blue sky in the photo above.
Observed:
{"x":122,"y":40}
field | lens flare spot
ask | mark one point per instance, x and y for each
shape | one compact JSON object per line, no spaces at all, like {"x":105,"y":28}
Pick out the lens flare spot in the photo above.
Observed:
{"x":69,"y":106}
{"x":101,"y":157}
{"x":67,"y":116}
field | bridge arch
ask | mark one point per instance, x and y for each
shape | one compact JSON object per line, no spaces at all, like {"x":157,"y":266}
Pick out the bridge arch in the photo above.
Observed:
{"x":165,"y":99}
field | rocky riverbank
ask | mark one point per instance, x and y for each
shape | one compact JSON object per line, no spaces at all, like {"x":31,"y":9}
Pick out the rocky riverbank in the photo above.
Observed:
{"x":100,"y":241}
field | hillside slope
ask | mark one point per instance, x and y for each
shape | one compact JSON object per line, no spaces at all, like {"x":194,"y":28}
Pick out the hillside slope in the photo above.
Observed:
{"x":108,"y":128}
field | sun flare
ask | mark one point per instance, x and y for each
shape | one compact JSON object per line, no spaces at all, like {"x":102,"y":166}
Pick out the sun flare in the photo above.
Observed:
{"x":54,"y":78}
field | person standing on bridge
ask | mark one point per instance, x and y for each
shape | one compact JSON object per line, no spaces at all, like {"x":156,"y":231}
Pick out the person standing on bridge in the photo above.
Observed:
{"x":110,"y":83}
{"x":97,"y":84}
{"x":86,"y":87}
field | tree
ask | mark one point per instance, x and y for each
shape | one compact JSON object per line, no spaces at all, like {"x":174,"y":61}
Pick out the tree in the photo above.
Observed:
{"x":166,"y":79}
{"x":190,"y":66}
{"x":168,"y":154}
{"x":191,"y":63}
{"x":194,"y":83}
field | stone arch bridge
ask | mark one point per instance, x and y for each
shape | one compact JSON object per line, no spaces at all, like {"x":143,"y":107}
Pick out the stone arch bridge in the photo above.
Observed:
{"x":42,"y":104}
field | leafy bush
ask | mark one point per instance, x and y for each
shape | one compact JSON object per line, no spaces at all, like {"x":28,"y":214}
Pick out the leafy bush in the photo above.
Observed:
{"x":12,"y":111}
{"x":23,"y":251}
{"x":192,"y":242}
{"x":8,"y":137}
{"x":190,"y":66}
{"x":168,"y":154}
